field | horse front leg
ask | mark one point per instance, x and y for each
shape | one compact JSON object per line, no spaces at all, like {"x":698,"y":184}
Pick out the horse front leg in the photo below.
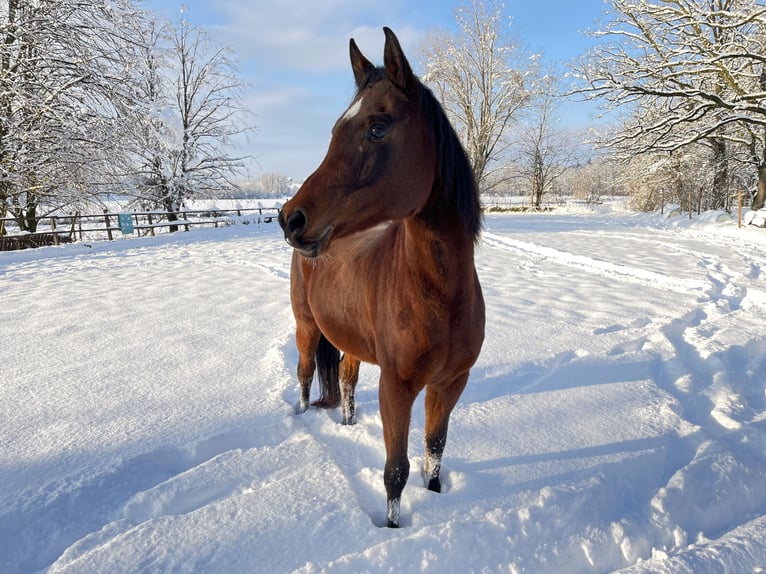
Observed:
{"x":440,"y":400}
{"x":396,"y":399}
{"x":349,"y":375}
{"x":307,"y":340}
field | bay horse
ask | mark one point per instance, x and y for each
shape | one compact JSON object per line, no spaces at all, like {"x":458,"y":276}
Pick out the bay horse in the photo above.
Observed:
{"x":383,"y":236}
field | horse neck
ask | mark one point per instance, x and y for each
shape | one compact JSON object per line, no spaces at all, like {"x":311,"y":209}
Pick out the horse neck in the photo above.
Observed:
{"x":441,"y":217}
{"x":440,"y":238}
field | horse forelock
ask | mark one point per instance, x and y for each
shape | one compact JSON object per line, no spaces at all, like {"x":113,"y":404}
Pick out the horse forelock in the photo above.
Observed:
{"x":372,"y":77}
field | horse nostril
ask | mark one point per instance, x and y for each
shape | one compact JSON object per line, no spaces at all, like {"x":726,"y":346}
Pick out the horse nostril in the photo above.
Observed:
{"x":296,"y":223}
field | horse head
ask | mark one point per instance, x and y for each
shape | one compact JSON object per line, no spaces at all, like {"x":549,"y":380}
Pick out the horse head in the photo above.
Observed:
{"x":380,"y":163}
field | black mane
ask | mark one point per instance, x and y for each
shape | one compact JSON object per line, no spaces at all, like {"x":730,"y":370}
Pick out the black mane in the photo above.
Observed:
{"x":453,"y":171}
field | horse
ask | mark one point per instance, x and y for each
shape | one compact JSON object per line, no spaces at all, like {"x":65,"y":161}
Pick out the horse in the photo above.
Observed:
{"x":383,"y":236}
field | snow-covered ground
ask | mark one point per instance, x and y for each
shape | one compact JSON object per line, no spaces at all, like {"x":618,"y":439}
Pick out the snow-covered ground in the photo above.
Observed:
{"x":615,"y":419}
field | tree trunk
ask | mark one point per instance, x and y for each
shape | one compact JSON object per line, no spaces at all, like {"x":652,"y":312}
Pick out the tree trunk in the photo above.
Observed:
{"x":31,"y":216}
{"x":720,"y":176}
{"x":3,"y":213}
{"x":760,"y":195}
{"x":172,"y":212}
{"x":538,"y":180}
{"x":26,"y":214}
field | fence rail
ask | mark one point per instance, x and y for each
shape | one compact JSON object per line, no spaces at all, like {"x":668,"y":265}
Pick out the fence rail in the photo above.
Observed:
{"x":57,"y":229}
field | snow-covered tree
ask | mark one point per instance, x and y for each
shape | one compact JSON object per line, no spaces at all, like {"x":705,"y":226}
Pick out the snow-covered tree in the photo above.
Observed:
{"x":191,"y":111}
{"x":273,"y":185}
{"x":686,"y":72}
{"x":97,"y":97}
{"x":482,"y":80}
{"x":148,"y":132}
{"x":656,"y":179}
{"x":593,"y":179}
{"x":62,"y":88}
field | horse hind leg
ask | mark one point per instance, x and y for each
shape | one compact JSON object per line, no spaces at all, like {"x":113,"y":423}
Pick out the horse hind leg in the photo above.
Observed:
{"x":328,"y":365}
{"x":439,"y":404}
{"x":349,"y":375}
{"x":306,"y":369}
{"x":307,"y":341}
{"x":316,"y":354}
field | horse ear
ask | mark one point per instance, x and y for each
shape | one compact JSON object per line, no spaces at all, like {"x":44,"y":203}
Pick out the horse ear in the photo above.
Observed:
{"x":361,"y":65}
{"x":397,"y":66}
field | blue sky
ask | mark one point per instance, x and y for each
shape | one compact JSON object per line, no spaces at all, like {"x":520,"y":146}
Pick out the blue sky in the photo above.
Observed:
{"x":294,"y":56}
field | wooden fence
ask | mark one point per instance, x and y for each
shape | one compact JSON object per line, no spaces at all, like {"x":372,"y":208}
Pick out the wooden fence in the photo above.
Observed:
{"x":57,"y":229}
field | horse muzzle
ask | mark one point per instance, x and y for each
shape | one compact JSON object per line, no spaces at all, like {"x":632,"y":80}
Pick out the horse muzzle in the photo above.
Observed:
{"x":295,"y":225}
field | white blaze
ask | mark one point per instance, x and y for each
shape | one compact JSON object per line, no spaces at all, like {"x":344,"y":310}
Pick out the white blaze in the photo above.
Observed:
{"x":353,"y":110}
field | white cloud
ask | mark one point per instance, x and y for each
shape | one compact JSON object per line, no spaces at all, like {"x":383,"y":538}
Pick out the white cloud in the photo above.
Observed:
{"x":312,"y":35}
{"x":294,"y":53}
{"x":309,"y":36}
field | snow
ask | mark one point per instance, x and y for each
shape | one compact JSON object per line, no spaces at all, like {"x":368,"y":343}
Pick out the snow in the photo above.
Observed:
{"x":616,"y":418}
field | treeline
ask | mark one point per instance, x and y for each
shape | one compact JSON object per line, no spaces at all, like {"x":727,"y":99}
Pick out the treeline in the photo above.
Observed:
{"x":686,"y":84}
{"x":267,"y":185}
{"x":681,"y":84}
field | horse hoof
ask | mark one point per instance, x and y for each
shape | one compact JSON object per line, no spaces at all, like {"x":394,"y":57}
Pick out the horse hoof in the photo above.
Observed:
{"x":349,"y":421}
{"x":392,"y":513}
{"x":300,"y":408}
{"x":435,"y":485}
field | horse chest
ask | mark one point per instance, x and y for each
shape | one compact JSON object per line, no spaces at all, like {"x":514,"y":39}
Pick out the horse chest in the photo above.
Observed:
{"x":368,"y":318}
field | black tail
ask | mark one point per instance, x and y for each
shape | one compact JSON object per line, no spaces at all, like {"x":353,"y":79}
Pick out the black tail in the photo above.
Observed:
{"x":327,"y":362}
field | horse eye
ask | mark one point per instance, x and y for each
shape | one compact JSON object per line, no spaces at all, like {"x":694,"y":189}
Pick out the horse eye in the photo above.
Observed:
{"x":377,"y":132}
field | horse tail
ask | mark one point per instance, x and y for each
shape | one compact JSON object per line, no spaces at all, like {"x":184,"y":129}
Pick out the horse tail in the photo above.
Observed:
{"x":328,"y":366}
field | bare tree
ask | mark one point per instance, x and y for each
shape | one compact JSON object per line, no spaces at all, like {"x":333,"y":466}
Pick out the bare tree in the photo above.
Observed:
{"x":545,"y":151}
{"x":687,"y":72}
{"x":482,"y":80}
{"x":196,"y":87}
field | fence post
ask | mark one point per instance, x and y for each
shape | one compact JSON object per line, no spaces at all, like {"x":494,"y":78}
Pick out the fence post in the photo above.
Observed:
{"x":72,"y":224}
{"x":151,"y":223}
{"x":53,"y":230}
{"x":739,"y":209}
{"x":108,"y":225}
